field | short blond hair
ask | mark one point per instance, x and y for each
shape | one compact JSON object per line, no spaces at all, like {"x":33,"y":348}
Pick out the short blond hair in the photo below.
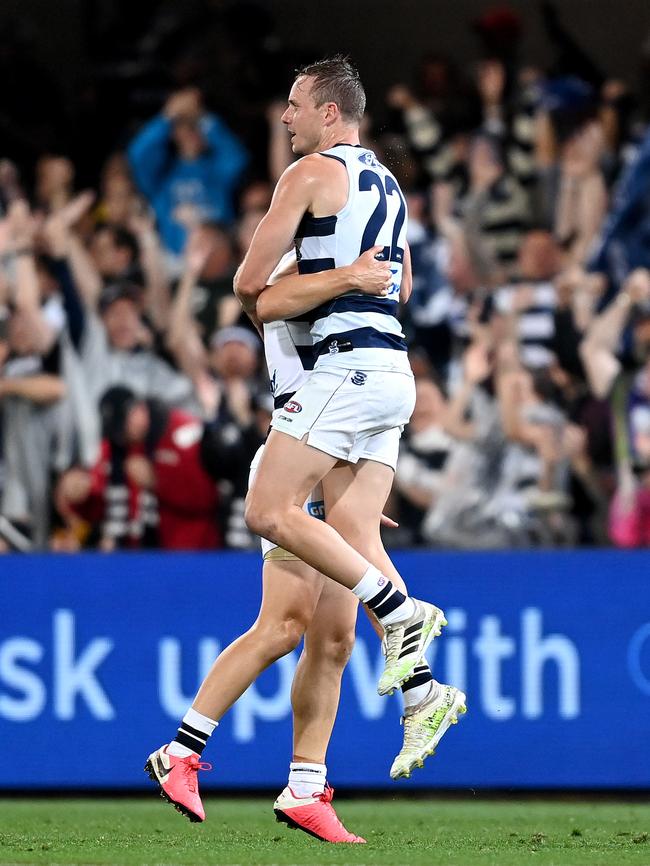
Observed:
{"x":337,"y":80}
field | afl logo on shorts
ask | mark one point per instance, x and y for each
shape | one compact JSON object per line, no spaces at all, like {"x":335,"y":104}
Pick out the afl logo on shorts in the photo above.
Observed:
{"x":359,"y":378}
{"x":292,"y":407}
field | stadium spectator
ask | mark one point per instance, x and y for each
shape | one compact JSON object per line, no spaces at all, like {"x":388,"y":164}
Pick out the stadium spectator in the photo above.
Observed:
{"x":527,"y":211}
{"x":148,"y":486}
{"x":525,"y":308}
{"x":31,"y":387}
{"x":495,"y":210}
{"x":54,"y":182}
{"x":422,"y":458}
{"x":623,"y":245}
{"x":187,"y":164}
{"x":625,"y":381}
{"x":114,"y":344}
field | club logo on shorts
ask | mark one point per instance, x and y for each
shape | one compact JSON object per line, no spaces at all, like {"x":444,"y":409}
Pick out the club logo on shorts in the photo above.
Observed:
{"x":359,"y":378}
{"x":292,"y":406}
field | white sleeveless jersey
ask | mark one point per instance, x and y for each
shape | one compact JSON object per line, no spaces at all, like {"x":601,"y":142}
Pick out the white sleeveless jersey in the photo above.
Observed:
{"x":357,"y":331}
{"x":287,"y":349}
{"x":289,"y":357}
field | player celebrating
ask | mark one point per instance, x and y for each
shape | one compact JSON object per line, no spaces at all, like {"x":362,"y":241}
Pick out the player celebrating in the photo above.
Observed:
{"x":335,"y":203}
{"x":355,"y":497}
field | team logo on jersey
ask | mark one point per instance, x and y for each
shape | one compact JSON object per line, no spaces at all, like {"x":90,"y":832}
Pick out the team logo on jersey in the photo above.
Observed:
{"x":293,"y":407}
{"x":368,"y":158}
{"x":359,"y":378}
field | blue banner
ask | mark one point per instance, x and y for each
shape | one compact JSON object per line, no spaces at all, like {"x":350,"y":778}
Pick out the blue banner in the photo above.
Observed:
{"x":101,"y":655}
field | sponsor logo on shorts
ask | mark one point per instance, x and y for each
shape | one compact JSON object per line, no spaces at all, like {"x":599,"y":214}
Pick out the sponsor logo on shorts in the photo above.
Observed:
{"x":292,"y":406}
{"x":359,"y":378}
{"x":284,"y":418}
{"x":317,"y":509}
{"x":381,"y":581}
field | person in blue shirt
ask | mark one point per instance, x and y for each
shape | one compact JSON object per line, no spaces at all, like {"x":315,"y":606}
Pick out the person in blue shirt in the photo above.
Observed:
{"x":623,"y":245}
{"x":187,"y":163}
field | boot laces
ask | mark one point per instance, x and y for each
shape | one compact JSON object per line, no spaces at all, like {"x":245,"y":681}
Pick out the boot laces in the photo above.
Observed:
{"x":417,"y":732}
{"x":327,"y":795}
{"x":191,"y":766}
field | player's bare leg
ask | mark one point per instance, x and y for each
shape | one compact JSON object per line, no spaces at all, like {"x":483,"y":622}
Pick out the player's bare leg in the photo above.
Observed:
{"x":353,"y":496}
{"x":291,"y":591}
{"x":289,"y":469}
{"x":317,"y":682}
{"x":305,"y":803}
{"x":290,"y":596}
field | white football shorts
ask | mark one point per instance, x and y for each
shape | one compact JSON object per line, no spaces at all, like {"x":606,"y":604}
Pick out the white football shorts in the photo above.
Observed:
{"x":351,"y":414}
{"x":314,"y":506}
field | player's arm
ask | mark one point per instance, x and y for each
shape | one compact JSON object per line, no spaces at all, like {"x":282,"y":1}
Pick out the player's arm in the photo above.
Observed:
{"x":291,"y":294}
{"x":292,"y":197}
{"x":406,"y":286}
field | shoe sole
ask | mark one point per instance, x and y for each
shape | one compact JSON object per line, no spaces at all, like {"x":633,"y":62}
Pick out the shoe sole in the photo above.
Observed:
{"x":458,"y":708}
{"x":191,"y":816}
{"x":282,"y":818}
{"x":436,"y":630}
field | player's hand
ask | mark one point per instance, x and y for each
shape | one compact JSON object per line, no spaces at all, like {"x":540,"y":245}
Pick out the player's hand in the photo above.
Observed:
{"x":369,"y":275}
{"x":388,"y":521}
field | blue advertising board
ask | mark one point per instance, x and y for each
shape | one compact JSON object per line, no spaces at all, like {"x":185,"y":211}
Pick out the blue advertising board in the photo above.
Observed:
{"x":101,"y":655}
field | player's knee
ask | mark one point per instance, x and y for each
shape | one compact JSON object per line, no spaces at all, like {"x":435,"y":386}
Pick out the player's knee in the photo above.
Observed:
{"x":281,"y":636}
{"x":335,"y":650}
{"x":261,"y":519}
{"x":289,"y":632}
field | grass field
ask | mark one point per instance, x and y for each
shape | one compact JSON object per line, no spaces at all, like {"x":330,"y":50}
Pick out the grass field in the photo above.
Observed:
{"x":464,"y":832}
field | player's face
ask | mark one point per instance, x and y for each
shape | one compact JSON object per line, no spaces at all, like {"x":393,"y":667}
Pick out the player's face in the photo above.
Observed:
{"x":303,"y":119}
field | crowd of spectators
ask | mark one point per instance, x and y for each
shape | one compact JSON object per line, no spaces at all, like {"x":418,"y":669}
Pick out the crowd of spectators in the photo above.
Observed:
{"x":133,"y":393}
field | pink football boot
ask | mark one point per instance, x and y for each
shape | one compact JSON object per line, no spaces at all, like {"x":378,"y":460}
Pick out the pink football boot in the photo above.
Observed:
{"x":178,"y":781}
{"x":314,"y":815}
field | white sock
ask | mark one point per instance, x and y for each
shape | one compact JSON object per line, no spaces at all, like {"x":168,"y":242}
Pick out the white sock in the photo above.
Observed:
{"x":413,"y":697}
{"x":307,"y":779}
{"x":193,"y":734}
{"x":384,"y":599}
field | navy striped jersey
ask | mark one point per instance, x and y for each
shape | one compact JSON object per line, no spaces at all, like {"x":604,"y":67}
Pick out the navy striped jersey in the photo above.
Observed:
{"x":357,"y":331}
{"x":288,"y":350}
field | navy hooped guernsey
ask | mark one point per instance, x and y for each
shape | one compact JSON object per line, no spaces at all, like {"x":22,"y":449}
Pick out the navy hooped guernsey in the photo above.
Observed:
{"x":288,"y":350}
{"x":357,"y":331}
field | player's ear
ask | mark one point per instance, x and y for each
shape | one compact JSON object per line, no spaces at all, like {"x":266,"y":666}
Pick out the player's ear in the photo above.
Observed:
{"x":331,"y":113}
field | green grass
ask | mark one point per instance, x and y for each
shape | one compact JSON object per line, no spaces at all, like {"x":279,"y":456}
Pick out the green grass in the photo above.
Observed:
{"x":131,"y":832}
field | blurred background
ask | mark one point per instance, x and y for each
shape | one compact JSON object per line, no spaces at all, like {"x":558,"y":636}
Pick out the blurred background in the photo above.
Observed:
{"x":139,"y":147}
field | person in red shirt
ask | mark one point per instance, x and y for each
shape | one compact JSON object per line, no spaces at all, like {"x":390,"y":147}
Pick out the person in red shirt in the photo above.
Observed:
{"x":148,"y":486}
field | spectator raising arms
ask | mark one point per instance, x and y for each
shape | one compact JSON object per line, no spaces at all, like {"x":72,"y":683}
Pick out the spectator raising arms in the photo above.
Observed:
{"x":187,"y":163}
